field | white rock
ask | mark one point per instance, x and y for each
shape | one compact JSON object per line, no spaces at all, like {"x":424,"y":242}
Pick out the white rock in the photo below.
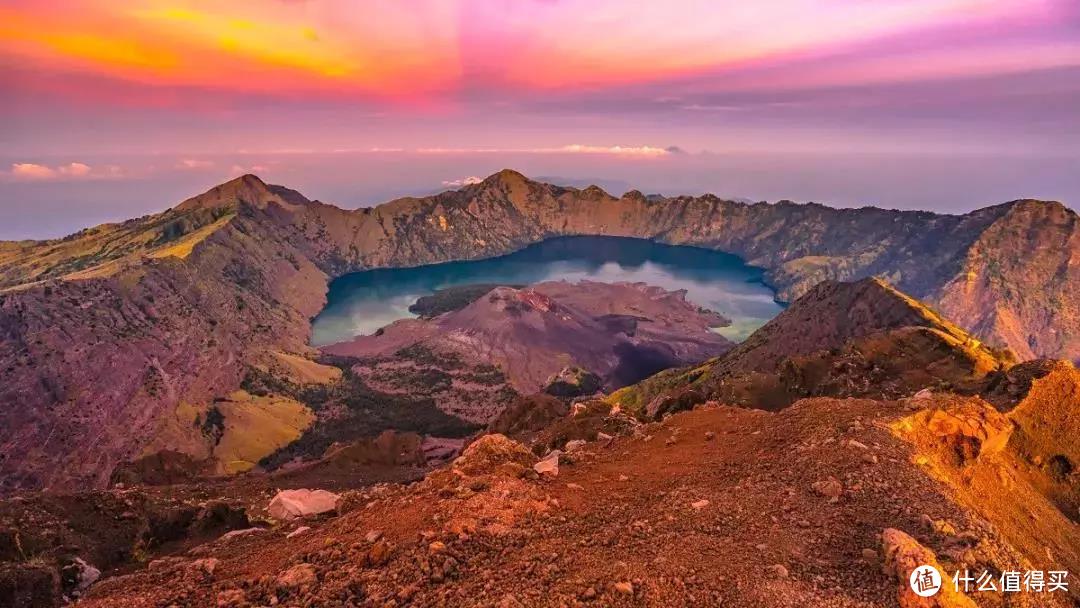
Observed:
{"x":549,"y":465}
{"x":238,"y":533}
{"x":291,"y":504}
{"x":298,"y":531}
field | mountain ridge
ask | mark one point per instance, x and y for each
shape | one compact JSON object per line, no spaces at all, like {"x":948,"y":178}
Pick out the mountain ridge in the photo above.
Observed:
{"x":123,"y":324}
{"x":860,"y":339}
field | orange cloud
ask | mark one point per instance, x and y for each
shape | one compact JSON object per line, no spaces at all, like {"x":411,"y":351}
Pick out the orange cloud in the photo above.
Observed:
{"x":242,"y":45}
{"x":32,"y":171}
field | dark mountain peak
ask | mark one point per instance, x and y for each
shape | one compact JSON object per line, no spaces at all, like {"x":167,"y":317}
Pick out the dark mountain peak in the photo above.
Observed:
{"x":249,"y":180}
{"x":247,"y":189}
{"x":1037,"y":208}
{"x":595,"y":193}
{"x":506,"y":177}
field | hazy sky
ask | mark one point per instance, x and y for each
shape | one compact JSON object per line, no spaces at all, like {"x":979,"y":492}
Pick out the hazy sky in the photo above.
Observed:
{"x":111,"y":109}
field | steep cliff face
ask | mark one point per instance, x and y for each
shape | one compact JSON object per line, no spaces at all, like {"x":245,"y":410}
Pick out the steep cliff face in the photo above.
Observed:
{"x":103,"y":334}
{"x":1019,"y":282}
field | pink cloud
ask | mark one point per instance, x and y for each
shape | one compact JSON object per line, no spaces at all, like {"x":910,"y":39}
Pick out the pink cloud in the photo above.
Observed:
{"x":624,"y":151}
{"x":74,"y":170}
{"x":464,"y":181}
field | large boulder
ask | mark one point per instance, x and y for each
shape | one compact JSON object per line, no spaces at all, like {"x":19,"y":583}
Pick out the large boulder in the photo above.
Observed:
{"x":572,"y":382}
{"x":672,"y":402}
{"x":293,"y":504}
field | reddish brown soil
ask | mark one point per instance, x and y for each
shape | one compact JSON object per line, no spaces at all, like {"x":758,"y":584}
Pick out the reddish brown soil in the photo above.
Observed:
{"x":623,"y":524}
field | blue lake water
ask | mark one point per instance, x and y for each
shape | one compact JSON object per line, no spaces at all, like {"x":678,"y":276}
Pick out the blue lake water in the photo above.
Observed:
{"x":362,"y":302}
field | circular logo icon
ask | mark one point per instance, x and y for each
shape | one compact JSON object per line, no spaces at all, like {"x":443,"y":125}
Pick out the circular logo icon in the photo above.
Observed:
{"x":925,"y":581}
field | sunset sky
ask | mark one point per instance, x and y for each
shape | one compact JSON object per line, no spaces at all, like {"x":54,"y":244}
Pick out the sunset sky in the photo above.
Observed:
{"x":110,"y":109}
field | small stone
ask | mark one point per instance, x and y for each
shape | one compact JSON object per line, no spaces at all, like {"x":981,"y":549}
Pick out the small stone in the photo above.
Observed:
{"x":869,"y":458}
{"x":602,"y":437}
{"x":944,"y":528}
{"x":830,"y":488}
{"x":576,"y":444}
{"x":380,"y":553}
{"x":373,"y":536}
{"x":778,"y":571}
{"x":624,"y":588}
{"x":297,"y":576}
{"x":699,"y":504}
{"x":206,"y":565}
{"x":574,"y":486}
{"x":623,"y":478}
{"x":709,"y":435}
{"x":870,"y":556}
{"x":238,"y":533}
{"x":298,"y":531}
{"x":437,"y":547}
{"x":588,"y":595}
{"x":230,"y":597}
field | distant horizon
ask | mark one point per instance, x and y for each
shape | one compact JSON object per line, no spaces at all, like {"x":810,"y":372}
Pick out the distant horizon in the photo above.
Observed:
{"x":613,"y":187}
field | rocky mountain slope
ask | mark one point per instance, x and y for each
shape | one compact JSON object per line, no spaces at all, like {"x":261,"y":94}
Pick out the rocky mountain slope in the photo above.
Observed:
{"x":949,"y":456}
{"x":107,"y":334}
{"x":829,"y":502}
